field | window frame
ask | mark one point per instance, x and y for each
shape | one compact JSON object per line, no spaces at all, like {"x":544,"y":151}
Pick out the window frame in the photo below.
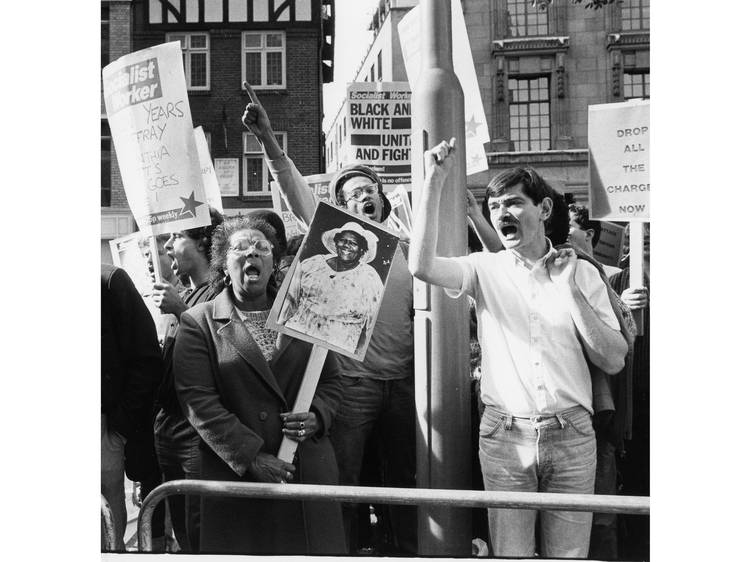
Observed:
{"x":187,"y":50}
{"x":528,"y":8}
{"x":106,"y":136}
{"x":640,"y":17}
{"x":646,"y":83}
{"x":264,"y":50}
{"x":245,"y":194}
{"x":528,"y":128}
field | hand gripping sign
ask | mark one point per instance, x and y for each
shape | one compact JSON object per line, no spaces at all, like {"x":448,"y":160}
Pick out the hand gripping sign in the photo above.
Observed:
{"x":152,"y":130}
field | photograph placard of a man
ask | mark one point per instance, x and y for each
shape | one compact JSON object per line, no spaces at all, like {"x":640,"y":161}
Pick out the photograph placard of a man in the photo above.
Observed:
{"x":332,"y":293}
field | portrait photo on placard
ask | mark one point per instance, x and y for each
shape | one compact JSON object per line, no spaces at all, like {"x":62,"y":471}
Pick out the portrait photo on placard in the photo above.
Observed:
{"x":332,"y":293}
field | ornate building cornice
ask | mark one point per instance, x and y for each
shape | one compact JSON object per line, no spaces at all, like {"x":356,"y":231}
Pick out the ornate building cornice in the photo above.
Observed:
{"x":628,"y":39}
{"x":530,"y":45}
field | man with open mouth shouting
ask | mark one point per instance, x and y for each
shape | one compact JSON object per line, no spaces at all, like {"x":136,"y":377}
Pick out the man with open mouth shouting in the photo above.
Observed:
{"x":378,"y":392}
{"x":541,"y":314}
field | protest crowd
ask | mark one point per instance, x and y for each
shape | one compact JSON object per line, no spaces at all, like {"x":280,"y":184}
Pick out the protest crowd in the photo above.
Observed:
{"x":560,"y":374}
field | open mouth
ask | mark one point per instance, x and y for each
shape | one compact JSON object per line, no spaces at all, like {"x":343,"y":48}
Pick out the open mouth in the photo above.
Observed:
{"x":368,"y":207}
{"x":509,"y":230}
{"x":252,"y":273}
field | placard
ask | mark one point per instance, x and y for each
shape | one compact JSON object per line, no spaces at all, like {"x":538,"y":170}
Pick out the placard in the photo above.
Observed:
{"x":210,"y":183}
{"x":332,"y":293}
{"x":379,"y":118}
{"x":608,"y":249}
{"x":476,"y":131}
{"x":228,"y":175}
{"x":619,"y":185}
{"x":320,"y":186}
{"x":152,"y":130}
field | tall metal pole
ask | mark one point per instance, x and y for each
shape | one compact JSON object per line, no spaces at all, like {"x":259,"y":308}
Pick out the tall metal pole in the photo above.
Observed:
{"x":441,"y":324}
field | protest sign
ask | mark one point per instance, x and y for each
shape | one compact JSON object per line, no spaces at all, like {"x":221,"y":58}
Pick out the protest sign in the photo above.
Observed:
{"x":608,"y":249}
{"x":152,"y":130}
{"x":333,"y":290}
{"x":228,"y":175}
{"x":400,"y":218}
{"x":379,"y":115}
{"x":128,"y":253}
{"x":292,"y":226}
{"x":319,"y":185}
{"x":477,"y":132}
{"x":619,"y":185}
{"x":210,"y":183}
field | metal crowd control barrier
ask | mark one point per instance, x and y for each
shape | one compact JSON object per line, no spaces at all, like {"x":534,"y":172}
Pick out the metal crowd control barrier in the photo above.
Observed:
{"x":398,"y":496}
{"x":108,"y":524}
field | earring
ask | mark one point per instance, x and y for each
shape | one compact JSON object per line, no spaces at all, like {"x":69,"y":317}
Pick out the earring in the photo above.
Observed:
{"x":227,"y":280}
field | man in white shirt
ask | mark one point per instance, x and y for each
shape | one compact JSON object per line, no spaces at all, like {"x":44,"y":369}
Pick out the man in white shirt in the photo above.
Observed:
{"x":542,"y":313}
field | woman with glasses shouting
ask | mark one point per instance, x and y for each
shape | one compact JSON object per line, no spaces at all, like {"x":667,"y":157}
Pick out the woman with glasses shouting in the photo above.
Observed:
{"x":236,"y":381}
{"x":325,"y":296}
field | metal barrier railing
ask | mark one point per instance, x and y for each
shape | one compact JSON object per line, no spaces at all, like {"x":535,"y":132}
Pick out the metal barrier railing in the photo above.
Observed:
{"x":108,"y":524}
{"x":397,"y":496}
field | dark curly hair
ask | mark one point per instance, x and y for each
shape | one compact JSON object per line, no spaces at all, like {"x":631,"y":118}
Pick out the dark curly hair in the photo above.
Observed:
{"x":220,"y":247}
{"x":535,"y":188}
{"x":202,"y":234}
{"x":580,"y":214}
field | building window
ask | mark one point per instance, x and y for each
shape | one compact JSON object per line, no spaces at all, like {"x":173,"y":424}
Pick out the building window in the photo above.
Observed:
{"x":257,"y":178}
{"x":529,"y":107}
{"x":264,"y":59}
{"x":105,"y":36}
{"x":106,"y":185}
{"x":195,"y":58}
{"x":380,"y":66}
{"x":526,"y":20}
{"x":635,"y":15}
{"x":636,"y":84}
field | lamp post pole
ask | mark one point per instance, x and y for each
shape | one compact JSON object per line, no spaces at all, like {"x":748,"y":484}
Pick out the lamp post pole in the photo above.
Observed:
{"x":441,"y":324}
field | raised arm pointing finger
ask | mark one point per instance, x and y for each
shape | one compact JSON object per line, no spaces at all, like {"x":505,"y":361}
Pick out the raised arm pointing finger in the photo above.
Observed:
{"x":255,"y":117}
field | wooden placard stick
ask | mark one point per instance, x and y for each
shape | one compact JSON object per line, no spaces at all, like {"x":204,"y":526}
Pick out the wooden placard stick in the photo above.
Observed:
{"x":636,"y":267}
{"x":155,"y":258}
{"x":304,"y":396}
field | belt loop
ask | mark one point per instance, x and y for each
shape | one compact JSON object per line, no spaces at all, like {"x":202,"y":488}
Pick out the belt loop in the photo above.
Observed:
{"x":508,"y":422}
{"x":562,"y":421}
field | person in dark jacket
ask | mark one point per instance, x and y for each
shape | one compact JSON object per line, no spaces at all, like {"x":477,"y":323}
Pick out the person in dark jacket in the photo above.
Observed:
{"x":130,"y":372}
{"x":236,"y":381}
{"x":176,"y":440}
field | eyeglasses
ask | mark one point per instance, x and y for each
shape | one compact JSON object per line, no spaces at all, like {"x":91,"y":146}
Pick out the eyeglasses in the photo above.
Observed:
{"x":242,"y":246}
{"x":356,"y":193}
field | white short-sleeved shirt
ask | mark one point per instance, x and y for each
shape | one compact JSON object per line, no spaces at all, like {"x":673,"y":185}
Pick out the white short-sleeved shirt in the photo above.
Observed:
{"x":532,"y":360}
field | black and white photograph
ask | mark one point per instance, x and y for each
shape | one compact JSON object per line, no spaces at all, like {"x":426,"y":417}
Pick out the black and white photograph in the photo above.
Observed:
{"x":460,"y":364}
{"x":333,"y":290}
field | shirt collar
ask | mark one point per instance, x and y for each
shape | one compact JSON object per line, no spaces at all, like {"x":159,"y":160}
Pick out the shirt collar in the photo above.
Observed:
{"x":521,"y":261}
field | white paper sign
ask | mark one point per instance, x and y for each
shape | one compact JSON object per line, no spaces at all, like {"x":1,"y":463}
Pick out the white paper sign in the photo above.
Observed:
{"x":152,"y":130}
{"x":379,"y":117}
{"x":228,"y":175}
{"x":619,"y":184}
{"x":210,"y":183}
{"x":477,"y":132}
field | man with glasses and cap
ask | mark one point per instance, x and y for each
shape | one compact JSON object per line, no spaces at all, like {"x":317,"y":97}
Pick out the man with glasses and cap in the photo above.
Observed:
{"x":378,"y":392}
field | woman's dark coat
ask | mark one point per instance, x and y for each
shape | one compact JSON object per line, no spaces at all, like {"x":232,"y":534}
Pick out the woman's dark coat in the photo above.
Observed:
{"x":233,"y":398}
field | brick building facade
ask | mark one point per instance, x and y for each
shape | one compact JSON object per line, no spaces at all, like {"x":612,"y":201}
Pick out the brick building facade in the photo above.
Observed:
{"x":538,"y":71}
{"x":284,"y":48}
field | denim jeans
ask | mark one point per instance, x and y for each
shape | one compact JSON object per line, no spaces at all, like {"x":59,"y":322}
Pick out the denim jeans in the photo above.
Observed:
{"x":177,"y":450}
{"x":389,"y":405}
{"x":604,"y":531}
{"x":554,"y":454}
{"x":113,"y":479}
